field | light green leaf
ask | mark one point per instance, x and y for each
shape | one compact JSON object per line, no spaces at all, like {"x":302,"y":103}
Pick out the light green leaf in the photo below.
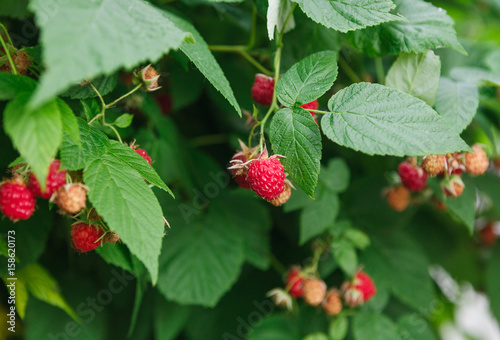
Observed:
{"x":416,"y":74}
{"x":457,"y":102}
{"x":414,"y":327}
{"x":336,"y":175}
{"x":316,"y":336}
{"x":427,"y":27}
{"x":308,"y":79}
{"x":37,"y":134}
{"x":83,"y":40}
{"x":124,"y":120}
{"x":295,"y":135}
{"x":44,"y":287}
{"x":94,"y":143}
{"x":348,"y":15}
{"x":117,"y":255}
{"x":277,"y":14}
{"x":357,"y":237}
{"x":464,"y":206}
{"x":201,"y":261}
{"x":476,"y":75}
{"x":103,"y":84}
{"x":318,"y":216}
{"x":200,"y":55}
{"x":374,"y":327}
{"x":337,"y":330}
{"x":69,"y":122}
{"x":376,"y":120}
{"x":21,"y":298}
{"x":11,"y":85}
{"x":125,"y":154}
{"x":128,"y":206}
{"x":345,"y":255}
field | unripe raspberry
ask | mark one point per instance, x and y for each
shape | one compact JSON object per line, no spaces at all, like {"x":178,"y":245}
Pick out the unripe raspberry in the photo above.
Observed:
{"x":85,"y":237}
{"x":56,"y":178}
{"x":111,"y":237}
{"x":148,"y":77}
{"x":314,"y":291}
{"x":412,"y":177}
{"x":295,"y":281}
{"x":267,"y":177}
{"x":17,"y":202}
{"x":453,"y":186}
{"x":360,"y":290}
{"x":434,"y":164}
{"x":22,"y":61}
{"x":71,"y":198}
{"x":283,"y":197}
{"x":476,"y":163}
{"x":280,"y":298}
{"x":332,"y":304}
{"x":239,"y":166}
{"x":454,"y":163}
{"x":263,"y":89}
{"x":398,"y":198}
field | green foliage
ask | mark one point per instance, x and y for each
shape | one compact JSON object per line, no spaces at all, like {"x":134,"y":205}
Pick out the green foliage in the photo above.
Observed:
{"x":374,"y":326}
{"x":11,"y":85}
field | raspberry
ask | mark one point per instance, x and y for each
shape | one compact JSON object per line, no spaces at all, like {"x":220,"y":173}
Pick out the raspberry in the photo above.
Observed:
{"x":55,"y":179}
{"x":454,"y":163}
{"x":280,"y":298}
{"x":17,"y":202}
{"x":313,"y":291}
{"x":283,"y":197}
{"x":434,"y":164}
{"x":263,"y":89}
{"x":360,"y":290}
{"x":84,"y":237}
{"x":239,"y":168}
{"x":148,"y":77}
{"x":412,"y":177}
{"x":398,"y":198}
{"x":111,"y":237}
{"x":453,"y":186}
{"x":71,"y":198}
{"x":164,"y":100}
{"x":311,"y":106}
{"x":21,"y":60}
{"x":295,"y":281}
{"x":476,"y":163}
{"x":267,"y":177}
{"x":144,"y":155}
{"x":488,"y":235}
{"x":332,"y":304}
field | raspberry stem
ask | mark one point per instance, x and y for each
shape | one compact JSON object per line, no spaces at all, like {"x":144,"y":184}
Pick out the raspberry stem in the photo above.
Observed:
{"x":379,"y":69}
{"x":348,"y":70}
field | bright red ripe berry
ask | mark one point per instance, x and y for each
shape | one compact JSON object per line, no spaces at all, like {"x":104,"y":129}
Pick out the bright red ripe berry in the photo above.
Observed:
{"x":17,"y":202}
{"x":412,"y":177}
{"x":55,"y":179}
{"x":144,"y":155}
{"x":360,"y":290}
{"x":263,"y":89}
{"x":267,"y":177}
{"x":84,"y":237}
{"x":295,"y":281}
{"x":488,"y":235}
{"x":311,"y":106}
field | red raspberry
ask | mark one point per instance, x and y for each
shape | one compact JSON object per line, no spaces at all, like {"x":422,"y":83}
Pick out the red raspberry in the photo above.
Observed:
{"x":165,"y":102}
{"x":71,"y":198}
{"x":412,"y":177}
{"x":283,"y":197}
{"x":476,"y":163}
{"x":267,"y":177}
{"x":295,"y":281}
{"x":332,"y":304}
{"x":314,"y":291}
{"x":263,"y":89}
{"x":55,"y":179}
{"x":17,"y":202}
{"x":360,"y":290}
{"x":239,"y":168}
{"x":434,"y":164}
{"x":311,"y":106}
{"x":398,"y":198}
{"x":488,"y":235}
{"x":144,"y":155}
{"x":84,"y":237}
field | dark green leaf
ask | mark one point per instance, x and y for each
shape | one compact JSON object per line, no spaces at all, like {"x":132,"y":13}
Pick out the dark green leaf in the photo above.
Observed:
{"x":493,"y":281}
{"x":14,"y":8}
{"x":414,"y":327}
{"x":103,"y":84}
{"x":345,"y":255}
{"x":357,"y":237}
{"x":336,"y":175}
{"x":374,"y":327}
{"x":170,"y":318}
{"x":317,"y":217}
{"x":117,"y":255}
{"x":276,"y":327}
{"x":69,"y":122}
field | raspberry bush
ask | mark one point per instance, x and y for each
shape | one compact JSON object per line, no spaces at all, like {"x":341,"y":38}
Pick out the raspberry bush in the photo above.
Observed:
{"x":306,"y":169}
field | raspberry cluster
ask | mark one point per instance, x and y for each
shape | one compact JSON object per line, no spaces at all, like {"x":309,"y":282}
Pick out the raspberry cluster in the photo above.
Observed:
{"x":413,"y":174}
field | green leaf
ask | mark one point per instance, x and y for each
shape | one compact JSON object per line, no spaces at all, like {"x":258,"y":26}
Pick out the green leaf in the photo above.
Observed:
{"x":348,"y":15}
{"x":493,"y":280}
{"x":295,"y":135}
{"x":345,"y":255}
{"x":396,"y":262}
{"x":199,"y":53}
{"x":277,"y":16}
{"x":88,"y":47}
{"x":21,"y":298}
{"x":464,"y":206}
{"x":298,"y":200}
{"x":316,"y":336}
{"x":317,"y":217}
{"x":11,"y":85}
{"x":374,"y":327}
{"x":125,"y":154}
{"x":336,"y":175}
{"x":117,"y":255}
{"x":69,"y":122}
{"x":308,"y":79}
{"x":337,"y":330}
{"x":475,"y":75}
{"x":14,"y":8}
{"x":170,"y":319}
{"x":124,"y":120}
{"x":37,"y":134}
{"x":201,"y":261}
{"x":357,"y":237}
{"x":94,"y":143}
{"x":457,"y":102}
{"x":427,"y":27}
{"x":416,"y":74}
{"x":103,"y":84}
{"x":42,"y":285}
{"x":376,"y":120}
{"x":414,"y":327}
{"x":276,"y":327}
{"x":128,"y":206}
